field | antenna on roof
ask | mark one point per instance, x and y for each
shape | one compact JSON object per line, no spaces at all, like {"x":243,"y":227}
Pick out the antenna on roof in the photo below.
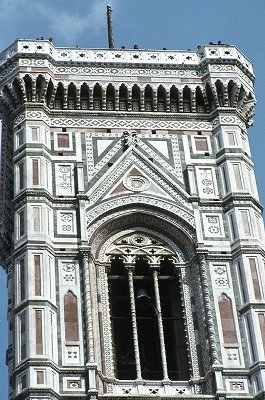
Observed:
{"x":110,"y":31}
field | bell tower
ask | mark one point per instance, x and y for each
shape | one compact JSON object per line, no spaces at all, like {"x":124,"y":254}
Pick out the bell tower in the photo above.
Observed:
{"x":131,"y":230}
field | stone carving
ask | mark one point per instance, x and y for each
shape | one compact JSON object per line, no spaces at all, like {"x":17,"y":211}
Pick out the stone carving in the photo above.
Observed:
{"x":138,"y":200}
{"x":129,"y":139}
{"x":232,"y":355}
{"x":208,"y":312}
{"x":64,"y":179}
{"x":88,"y":308}
{"x":92,"y":122}
{"x":141,"y":237}
{"x":67,"y":222}
{"x":220,"y":276}
{"x":133,"y":158}
{"x":237,"y":386}
{"x":72,"y":353}
{"x":69,"y":273}
{"x":189,"y":323}
{"x":106,"y":321}
{"x":136,"y":183}
{"x":74,"y":384}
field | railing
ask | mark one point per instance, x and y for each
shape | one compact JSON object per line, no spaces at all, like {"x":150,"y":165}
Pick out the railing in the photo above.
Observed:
{"x":123,"y":56}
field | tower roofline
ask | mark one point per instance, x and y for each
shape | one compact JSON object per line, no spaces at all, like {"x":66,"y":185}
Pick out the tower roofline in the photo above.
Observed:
{"x":212,"y":53}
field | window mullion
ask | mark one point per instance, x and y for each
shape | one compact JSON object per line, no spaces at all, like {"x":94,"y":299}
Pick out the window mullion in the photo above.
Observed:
{"x":160,"y":324}
{"x":134,"y":325}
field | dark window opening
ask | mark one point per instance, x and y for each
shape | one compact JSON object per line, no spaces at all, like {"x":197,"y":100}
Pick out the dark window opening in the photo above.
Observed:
{"x":148,"y":334}
{"x":124,"y":358}
{"x":147,"y":329}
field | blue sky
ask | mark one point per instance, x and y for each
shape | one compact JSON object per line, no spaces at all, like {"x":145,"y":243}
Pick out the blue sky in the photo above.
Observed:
{"x":174,"y":24}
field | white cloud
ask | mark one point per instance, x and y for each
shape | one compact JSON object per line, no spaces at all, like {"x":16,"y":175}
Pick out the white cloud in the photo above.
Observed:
{"x":69,"y":25}
{"x":63,"y":20}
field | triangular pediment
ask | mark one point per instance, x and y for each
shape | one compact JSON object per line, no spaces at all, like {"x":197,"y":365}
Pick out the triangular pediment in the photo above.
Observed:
{"x":136,"y":180}
{"x":134,"y":174}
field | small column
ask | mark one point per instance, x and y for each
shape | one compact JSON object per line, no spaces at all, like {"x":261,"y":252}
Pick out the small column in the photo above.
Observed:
{"x":80,"y":176}
{"x":91,"y":365}
{"x":104,"y":99}
{"x":65,"y":98}
{"x":91,"y":99}
{"x":129,"y":99}
{"x":134,"y":323}
{"x":193,"y":101}
{"x":191,"y":180}
{"x":116,"y":101}
{"x":155,"y":101}
{"x":208,"y":311}
{"x":160,"y":323}
{"x":78,"y":99}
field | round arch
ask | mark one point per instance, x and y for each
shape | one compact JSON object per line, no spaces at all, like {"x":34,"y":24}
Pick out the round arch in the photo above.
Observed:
{"x":172,"y":227}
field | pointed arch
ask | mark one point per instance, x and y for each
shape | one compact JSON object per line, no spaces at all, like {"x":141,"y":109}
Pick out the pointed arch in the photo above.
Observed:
{"x":50,"y":93}
{"x":136,"y":98}
{"x":59,"y":96}
{"x":28,"y":87}
{"x":40,"y":87}
{"x":71,"y":317}
{"x":241,"y":97}
{"x":110,"y":97}
{"x":18,"y":89}
{"x":123,"y":97}
{"x":232,"y":93}
{"x":148,"y":98}
{"x":210,"y":96}
{"x":220,"y":92}
{"x":186,"y":99}
{"x":227,"y":319}
{"x":200,"y":105}
{"x":84,"y":96}
{"x":174,"y":99}
{"x":148,"y":349}
{"x":161,"y":98}
{"x":97,"y":97}
{"x":71,"y":96}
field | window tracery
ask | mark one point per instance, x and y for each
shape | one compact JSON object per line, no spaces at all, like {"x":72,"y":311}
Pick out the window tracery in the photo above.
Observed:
{"x":146,"y":310}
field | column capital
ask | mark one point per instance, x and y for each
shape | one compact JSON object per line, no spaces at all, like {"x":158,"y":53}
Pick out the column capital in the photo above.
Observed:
{"x":85,"y":250}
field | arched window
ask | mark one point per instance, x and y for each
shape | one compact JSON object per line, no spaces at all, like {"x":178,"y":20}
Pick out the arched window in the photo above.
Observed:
{"x":220,"y":93}
{"x":146,"y":309}
{"x":71,"y":317}
{"x":28,"y":87}
{"x":227,"y":319}
{"x":123,"y":98}
{"x":84,"y":96}
{"x":232,"y":93}
{"x":40,"y":85}
{"x":200,"y":106}
{"x":148,"y":98}
{"x":49,"y":93}
{"x":135,"y":98}
{"x":186,"y":99}
{"x":58,"y":100}
{"x":161,"y":99}
{"x":210,"y":96}
{"x":110,"y":98}
{"x":71,"y":96}
{"x":241,"y":97}
{"x":97,"y":97}
{"x":16,"y":89}
{"x":174,"y":99}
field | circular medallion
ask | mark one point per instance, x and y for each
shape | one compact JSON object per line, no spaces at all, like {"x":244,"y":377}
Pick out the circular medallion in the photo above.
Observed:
{"x":139,"y":240}
{"x":136,"y":183}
